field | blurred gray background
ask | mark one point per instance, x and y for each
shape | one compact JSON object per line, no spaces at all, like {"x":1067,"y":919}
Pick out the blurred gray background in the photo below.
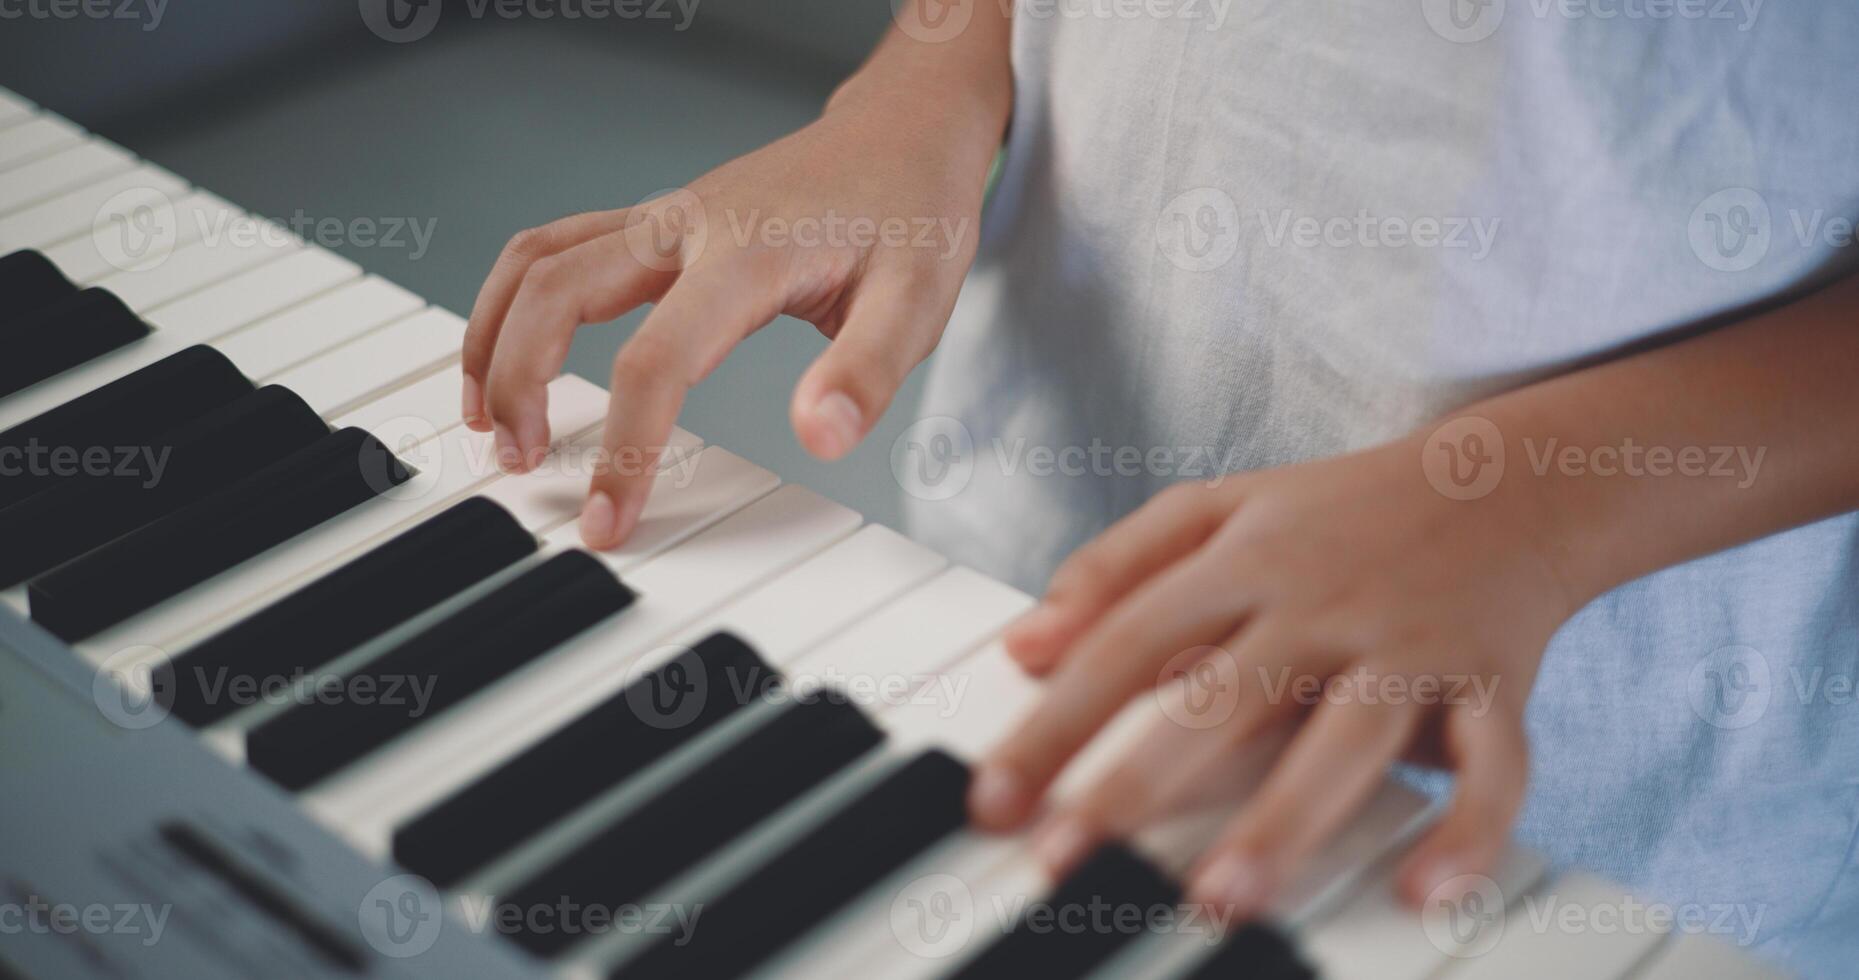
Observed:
{"x":486,"y":125}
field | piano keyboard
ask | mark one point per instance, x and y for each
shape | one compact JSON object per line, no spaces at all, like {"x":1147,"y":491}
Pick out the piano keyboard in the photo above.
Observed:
{"x":759,"y":707}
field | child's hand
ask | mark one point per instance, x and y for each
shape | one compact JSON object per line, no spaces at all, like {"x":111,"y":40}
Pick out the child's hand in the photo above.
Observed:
{"x":863,"y":223}
{"x":1345,"y":572}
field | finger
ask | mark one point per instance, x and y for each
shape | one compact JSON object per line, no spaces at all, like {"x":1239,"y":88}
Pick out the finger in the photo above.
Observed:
{"x":499,"y":291}
{"x":1172,"y":524}
{"x":1334,"y":764}
{"x":1491,"y":756}
{"x":1176,"y":613}
{"x":1206,"y":751}
{"x":592,"y":282}
{"x":714,"y":305}
{"x":893,"y":323}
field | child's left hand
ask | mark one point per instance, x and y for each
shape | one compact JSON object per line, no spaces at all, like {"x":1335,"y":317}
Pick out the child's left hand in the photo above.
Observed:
{"x":1345,"y":572}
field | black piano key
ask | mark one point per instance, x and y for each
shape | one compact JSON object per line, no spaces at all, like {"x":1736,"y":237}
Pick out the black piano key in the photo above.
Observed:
{"x":457,"y":657}
{"x":652,"y":716}
{"x":64,"y":334}
{"x":209,"y":536}
{"x":140,"y":484}
{"x":1255,"y":950}
{"x":1095,"y":896}
{"x":171,"y":392}
{"x":800,"y":747}
{"x":28,"y":282}
{"x":913,"y":808}
{"x":351,"y":605}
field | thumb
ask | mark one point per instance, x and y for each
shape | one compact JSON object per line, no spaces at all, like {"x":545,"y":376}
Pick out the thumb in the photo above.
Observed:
{"x":889,"y":329}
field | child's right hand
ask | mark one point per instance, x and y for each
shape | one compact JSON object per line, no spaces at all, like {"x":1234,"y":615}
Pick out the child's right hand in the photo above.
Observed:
{"x":828,"y":225}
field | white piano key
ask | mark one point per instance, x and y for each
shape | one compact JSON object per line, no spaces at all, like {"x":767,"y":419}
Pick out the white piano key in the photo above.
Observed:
{"x":76,"y":212}
{"x":1376,"y":935}
{"x":36,"y":137}
{"x":195,"y":267}
{"x":66,"y":169}
{"x":1574,"y":926}
{"x":262,"y":291}
{"x":372,"y":365}
{"x":794,"y":613}
{"x":756,"y":543}
{"x":15,"y":109}
{"x":986,"y":693}
{"x":283,"y":340}
{"x":454,"y":465}
{"x":434,"y":399}
{"x":551,"y":495}
{"x":105,"y":251}
{"x":1693,"y":956}
{"x":908,"y":642}
{"x":688,"y":496}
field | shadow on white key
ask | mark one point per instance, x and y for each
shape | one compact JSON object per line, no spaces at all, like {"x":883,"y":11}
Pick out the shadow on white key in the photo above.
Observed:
{"x":552,"y":494}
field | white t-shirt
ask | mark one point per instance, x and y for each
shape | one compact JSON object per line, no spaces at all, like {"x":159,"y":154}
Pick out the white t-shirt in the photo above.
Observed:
{"x":1231,"y":236}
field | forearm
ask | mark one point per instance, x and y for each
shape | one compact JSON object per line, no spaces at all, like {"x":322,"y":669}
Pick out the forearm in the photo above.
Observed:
{"x":1668,"y":455}
{"x":957,"y":91}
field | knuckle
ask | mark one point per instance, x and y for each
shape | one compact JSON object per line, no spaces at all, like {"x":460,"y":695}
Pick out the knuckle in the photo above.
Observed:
{"x":528,"y":244}
{"x":546,"y":273}
{"x":645,"y":359}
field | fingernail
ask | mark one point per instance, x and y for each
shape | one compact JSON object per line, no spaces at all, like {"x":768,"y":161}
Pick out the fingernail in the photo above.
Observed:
{"x":1232,"y":881}
{"x":997,"y":797}
{"x":597,"y":521}
{"x":472,"y":401}
{"x":509,"y":454}
{"x":842,"y":423}
{"x":1063,"y":844}
{"x":1035,"y":627}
